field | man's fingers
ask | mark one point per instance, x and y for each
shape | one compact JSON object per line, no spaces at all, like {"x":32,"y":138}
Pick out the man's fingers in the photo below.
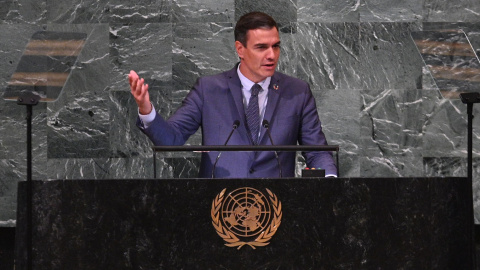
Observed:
{"x":139,"y":90}
{"x":133,"y":75}
{"x":144,"y":91}
{"x":140,"y":87}
{"x":133,"y":80}
{"x":136,"y":86}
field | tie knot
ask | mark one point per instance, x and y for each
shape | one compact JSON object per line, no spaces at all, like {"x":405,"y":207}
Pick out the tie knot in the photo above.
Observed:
{"x":256,"y":89}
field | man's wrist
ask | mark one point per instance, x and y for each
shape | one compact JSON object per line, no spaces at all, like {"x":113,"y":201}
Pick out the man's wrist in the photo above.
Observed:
{"x":147,"y":118}
{"x":145,"y":110}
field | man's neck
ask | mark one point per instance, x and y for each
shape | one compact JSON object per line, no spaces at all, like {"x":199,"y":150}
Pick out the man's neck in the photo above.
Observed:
{"x":239,"y":71}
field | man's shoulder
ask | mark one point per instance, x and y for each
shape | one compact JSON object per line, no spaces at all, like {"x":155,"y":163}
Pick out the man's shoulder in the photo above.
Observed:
{"x":287,"y":79}
{"x":219,"y":77}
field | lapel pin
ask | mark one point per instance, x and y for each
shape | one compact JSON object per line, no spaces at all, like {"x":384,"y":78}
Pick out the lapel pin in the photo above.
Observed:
{"x":275,"y":86}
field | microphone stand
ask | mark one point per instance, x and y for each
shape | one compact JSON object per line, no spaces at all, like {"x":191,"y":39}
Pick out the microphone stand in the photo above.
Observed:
{"x":236,"y":124}
{"x":29,"y":99}
{"x":266,"y":125}
{"x":210,"y":148}
{"x":470,"y":99}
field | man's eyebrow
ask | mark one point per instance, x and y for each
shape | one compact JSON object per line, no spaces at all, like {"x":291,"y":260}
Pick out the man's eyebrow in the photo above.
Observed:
{"x":265,"y":44}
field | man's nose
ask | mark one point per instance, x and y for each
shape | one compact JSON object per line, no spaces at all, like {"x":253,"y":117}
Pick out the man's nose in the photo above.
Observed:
{"x":270,"y":53}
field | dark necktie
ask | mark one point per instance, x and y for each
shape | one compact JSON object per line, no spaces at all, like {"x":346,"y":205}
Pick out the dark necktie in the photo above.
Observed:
{"x":253,"y":114}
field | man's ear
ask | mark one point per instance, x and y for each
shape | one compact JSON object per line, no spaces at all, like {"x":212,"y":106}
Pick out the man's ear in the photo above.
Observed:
{"x":240,"y":48}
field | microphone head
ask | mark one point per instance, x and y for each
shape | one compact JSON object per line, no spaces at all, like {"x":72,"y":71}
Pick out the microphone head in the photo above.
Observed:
{"x":236,"y":124}
{"x":265,"y":123}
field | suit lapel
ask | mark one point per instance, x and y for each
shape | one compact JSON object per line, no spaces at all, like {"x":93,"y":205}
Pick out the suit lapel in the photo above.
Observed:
{"x":274,"y":91}
{"x":235,"y":87}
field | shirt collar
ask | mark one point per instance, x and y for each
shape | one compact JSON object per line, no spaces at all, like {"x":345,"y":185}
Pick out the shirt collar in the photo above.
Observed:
{"x":247,"y":83}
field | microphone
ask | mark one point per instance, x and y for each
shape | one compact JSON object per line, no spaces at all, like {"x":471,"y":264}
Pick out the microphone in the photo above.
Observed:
{"x":235,"y":125}
{"x":266,"y":125}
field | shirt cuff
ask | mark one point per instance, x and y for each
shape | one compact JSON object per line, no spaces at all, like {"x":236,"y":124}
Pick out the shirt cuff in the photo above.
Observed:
{"x":331,"y":175}
{"x":147,"y":119}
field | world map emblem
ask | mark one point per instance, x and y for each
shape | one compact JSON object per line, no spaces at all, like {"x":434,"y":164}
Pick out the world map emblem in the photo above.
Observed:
{"x":246,"y":216}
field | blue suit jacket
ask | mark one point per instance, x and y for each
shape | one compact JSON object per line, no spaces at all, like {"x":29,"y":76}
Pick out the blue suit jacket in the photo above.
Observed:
{"x":215,"y":102}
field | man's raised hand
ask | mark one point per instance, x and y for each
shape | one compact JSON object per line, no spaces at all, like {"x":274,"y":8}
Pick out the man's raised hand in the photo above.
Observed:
{"x":139,"y":90}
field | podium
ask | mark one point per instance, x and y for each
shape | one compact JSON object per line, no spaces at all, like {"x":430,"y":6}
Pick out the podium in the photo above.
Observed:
{"x":325,"y":223}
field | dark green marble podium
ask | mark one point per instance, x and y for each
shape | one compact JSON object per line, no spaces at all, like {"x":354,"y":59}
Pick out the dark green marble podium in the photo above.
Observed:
{"x":326,"y":223}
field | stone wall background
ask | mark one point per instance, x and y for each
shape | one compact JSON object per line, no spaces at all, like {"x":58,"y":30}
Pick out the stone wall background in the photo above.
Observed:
{"x":374,"y":96}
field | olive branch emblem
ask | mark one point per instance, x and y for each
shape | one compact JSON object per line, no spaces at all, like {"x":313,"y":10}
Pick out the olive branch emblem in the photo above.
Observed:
{"x":231,"y":239}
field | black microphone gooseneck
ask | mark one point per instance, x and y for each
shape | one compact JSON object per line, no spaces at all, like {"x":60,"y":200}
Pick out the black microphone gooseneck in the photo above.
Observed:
{"x":236,"y":124}
{"x":266,"y":125}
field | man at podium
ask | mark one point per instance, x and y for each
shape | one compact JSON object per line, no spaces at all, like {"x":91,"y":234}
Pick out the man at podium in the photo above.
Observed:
{"x":248,"y":99}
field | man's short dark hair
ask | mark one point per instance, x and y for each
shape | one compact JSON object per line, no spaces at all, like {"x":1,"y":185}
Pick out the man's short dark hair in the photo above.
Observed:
{"x":250,"y":21}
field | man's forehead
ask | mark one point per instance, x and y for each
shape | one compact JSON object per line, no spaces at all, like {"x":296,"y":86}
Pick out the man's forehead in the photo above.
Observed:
{"x":261,"y":35}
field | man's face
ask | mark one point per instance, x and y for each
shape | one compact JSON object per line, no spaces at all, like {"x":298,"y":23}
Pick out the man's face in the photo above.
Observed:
{"x":260,"y":57}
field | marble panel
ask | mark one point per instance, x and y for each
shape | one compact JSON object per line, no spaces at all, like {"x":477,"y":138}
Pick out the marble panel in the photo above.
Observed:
{"x":328,"y":55}
{"x":201,"y":49}
{"x":11,"y":172}
{"x":391,"y":133}
{"x":78,"y":168}
{"x":349,"y":165}
{"x":78,"y":121}
{"x":288,"y":61}
{"x":5,"y":9}
{"x":344,"y":49}
{"x":13,"y":163}
{"x":81,"y":128}
{"x":391,"y":122}
{"x":105,"y":11}
{"x":126,"y":139}
{"x":13,"y":125}
{"x":112,"y":168}
{"x":145,"y":48}
{"x":328,"y":11}
{"x":445,"y":130}
{"x":129,"y":168}
{"x":403,"y":165}
{"x":203,"y":11}
{"x":388,"y":57}
{"x":445,"y":166}
{"x":283,"y":11}
{"x":451,"y":11}
{"x":186,"y":167}
{"x":13,"y":142}
{"x":339,"y":113}
{"x":390,"y":10}
{"x":23,"y":12}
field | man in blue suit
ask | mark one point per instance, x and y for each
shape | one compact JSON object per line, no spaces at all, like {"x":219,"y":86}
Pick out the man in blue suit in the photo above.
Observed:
{"x":216,"y":102}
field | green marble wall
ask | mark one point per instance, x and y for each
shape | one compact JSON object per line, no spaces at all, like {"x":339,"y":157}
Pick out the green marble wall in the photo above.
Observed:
{"x":374,"y":96}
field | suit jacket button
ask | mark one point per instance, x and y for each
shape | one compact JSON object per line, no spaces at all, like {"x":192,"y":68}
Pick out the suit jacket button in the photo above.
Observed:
{"x":251,"y":170}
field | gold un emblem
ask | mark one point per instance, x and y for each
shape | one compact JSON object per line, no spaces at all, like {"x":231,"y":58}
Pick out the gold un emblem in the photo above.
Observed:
{"x":246,"y":217}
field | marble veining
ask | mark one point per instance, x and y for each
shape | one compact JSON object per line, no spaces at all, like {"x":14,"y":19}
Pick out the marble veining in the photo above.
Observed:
{"x":376,"y":97}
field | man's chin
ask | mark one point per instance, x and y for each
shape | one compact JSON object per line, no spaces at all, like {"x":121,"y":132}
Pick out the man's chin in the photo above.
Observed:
{"x":268,"y":72}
